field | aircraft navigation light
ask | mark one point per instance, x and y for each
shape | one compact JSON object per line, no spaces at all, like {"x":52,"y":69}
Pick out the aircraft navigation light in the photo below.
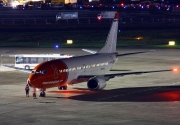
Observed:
{"x":172,"y":43}
{"x":175,"y":69}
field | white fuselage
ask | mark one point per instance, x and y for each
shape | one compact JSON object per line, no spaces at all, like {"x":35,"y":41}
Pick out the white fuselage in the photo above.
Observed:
{"x":96,"y":64}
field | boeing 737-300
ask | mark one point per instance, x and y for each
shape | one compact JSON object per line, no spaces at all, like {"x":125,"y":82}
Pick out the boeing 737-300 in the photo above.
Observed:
{"x":88,"y":68}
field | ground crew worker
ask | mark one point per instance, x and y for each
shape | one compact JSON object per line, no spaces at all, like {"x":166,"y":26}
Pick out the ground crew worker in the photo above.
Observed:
{"x":34,"y":92}
{"x":27,"y":90}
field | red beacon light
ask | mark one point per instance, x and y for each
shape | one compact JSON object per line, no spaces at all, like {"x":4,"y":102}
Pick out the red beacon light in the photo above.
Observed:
{"x":122,"y":4}
{"x":99,"y":18}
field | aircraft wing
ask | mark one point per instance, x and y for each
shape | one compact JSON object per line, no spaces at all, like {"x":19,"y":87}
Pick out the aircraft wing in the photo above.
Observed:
{"x":126,"y":54}
{"x":20,"y":69}
{"x":109,"y":76}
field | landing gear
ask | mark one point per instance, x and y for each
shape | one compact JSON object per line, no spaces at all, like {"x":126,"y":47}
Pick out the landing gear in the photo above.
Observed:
{"x":42,"y":94}
{"x":62,"y":87}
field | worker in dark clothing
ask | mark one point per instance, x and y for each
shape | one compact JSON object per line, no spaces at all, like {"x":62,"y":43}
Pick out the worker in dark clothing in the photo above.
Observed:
{"x":27,"y":90}
{"x":34,"y":92}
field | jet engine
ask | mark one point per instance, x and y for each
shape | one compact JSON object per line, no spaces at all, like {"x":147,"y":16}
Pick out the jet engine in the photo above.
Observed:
{"x":97,"y":83}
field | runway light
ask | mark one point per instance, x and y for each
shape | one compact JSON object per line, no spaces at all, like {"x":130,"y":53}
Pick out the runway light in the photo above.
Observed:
{"x":122,"y":4}
{"x":56,"y":46}
{"x":171,"y":43}
{"x":69,"y":41}
{"x":139,"y":38}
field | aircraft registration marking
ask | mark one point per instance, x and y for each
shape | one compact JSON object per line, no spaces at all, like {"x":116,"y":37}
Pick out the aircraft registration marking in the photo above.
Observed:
{"x":52,"y":82}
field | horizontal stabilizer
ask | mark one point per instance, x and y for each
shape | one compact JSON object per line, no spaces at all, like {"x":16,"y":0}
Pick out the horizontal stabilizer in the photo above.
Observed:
{"x":89,"y":51}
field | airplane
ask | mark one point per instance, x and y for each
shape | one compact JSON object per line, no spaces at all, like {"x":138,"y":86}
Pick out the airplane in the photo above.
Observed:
{"x":87,"y":68}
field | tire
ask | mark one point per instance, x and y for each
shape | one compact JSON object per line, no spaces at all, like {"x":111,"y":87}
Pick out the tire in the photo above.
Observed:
{"x":64,"y":87}
{"x":60,"y":87}
{"x":27,"y":67}
{"x":42,"y":94}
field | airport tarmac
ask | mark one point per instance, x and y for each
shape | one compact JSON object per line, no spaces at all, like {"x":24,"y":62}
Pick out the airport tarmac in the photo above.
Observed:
{"x":148,"y":99}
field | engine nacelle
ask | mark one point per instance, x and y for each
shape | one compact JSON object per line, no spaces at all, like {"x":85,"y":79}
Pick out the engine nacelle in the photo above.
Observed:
{"x":96,"y":83}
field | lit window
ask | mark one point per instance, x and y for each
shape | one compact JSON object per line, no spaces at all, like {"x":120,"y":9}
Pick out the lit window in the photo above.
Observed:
{"x":93,"y":65}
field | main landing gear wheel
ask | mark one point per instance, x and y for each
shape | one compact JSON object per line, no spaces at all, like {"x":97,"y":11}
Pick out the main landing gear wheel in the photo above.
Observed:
{"x":62,"y":87}
{"x":42,"y":94}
